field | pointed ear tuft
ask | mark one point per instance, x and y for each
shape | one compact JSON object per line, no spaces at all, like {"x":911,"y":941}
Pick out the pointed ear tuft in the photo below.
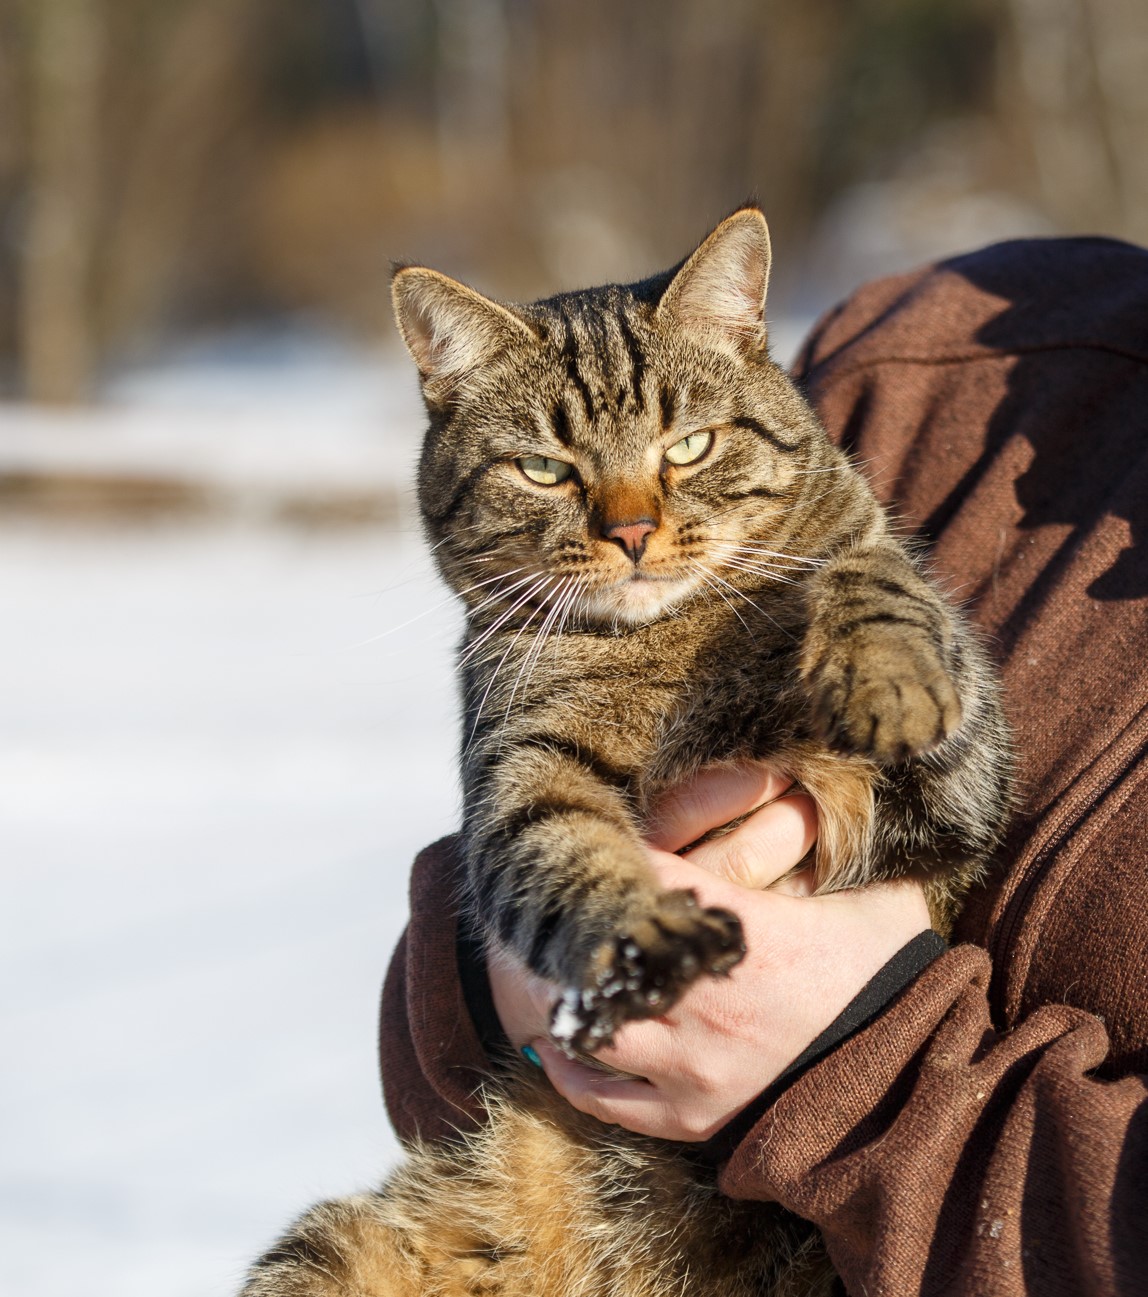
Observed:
{"x":450,"y":330}
{"x":720,"y":291}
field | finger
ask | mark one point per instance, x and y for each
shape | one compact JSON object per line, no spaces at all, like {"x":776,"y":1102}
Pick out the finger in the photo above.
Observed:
{"x":801,"y":883}
{"x":766,"y":847}
{"x":522,"y":1001}
{"x":583,"y":1083}
{"x":710,"y":799}
{"x":633,"y":1103}
{"x":645,"y":1049}
{"x":904,"y":902}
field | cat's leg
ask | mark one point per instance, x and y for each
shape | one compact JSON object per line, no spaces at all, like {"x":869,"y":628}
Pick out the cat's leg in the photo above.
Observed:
{"x":899,"y":683}
{"x":881,"y":660}
{"x":558,"y":875}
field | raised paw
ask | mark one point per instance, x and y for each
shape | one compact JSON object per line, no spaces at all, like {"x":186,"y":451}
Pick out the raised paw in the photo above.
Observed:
{"x":889,"y":705}
{"x":643,"y":970}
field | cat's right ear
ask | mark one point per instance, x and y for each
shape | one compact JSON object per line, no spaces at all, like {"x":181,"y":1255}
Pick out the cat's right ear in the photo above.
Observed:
{"x":719,"y":292}
{"x":450,"y":330}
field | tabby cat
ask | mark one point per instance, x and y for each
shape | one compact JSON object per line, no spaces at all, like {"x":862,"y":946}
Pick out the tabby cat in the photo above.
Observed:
{"x":665,"y":564}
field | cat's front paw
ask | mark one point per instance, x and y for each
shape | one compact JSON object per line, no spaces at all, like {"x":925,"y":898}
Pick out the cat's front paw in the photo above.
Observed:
{"x":643,"y":970}
{"x":891,"y":702}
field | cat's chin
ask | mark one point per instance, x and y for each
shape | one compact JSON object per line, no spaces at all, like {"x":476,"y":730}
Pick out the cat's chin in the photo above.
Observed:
{"x":640,"y":600}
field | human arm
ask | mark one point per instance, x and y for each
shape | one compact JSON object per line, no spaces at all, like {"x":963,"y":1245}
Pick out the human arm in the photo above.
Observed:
{"x":936,"y":1154}
{"x":940,"y":1156}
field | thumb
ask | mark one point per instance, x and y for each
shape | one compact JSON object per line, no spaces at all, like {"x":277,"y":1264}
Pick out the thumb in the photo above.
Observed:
{"x":766,"y":847}
{"x":713,"y":797}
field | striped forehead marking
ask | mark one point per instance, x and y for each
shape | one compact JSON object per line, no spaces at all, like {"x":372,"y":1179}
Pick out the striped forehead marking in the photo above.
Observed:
{"x":602,"y":357}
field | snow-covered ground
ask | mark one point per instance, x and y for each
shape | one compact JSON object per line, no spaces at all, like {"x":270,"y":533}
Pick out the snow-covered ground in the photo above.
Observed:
{"x":252,"y":419}
{"x":212,"y":781}
{"x":221,"y":743}
{"x":220,"y":746}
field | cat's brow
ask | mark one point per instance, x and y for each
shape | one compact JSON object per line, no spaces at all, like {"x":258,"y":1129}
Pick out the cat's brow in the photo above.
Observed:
{"x":569,"y":353}
{"x":637,"y":361}
{"x":767,"y":434}
{"x":560,"y":424}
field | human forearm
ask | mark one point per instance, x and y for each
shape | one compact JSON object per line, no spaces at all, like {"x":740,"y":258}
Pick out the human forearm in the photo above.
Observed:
{"x":937,"y":1156}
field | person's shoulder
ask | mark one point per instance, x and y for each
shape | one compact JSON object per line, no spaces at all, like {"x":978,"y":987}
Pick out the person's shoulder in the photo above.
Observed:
{"x":1006,"y":299}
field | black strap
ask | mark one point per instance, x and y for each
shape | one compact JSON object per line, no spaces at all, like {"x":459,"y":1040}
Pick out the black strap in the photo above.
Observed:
{"x":476,"y":990}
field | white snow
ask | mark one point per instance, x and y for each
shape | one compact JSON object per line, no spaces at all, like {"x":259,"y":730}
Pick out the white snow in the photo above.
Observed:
{"x":245,"y":415}
{"x":567,"y":1019}
{"x":215,"y":768}
{"x":220,"y":747}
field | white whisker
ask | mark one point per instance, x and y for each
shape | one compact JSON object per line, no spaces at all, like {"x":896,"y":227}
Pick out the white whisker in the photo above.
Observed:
{"x":757,"y":569}
{"x":563,"y":597}
{"x":545,"y":581}
{"x":711,"y":580}
{"x":752,"y":603}
{"x":801,"y":560}
{"x":477,"y":643}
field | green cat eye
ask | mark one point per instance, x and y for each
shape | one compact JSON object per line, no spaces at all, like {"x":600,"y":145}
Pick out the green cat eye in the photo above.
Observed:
{"x":690,"y":448}
{"x":544,"y":471}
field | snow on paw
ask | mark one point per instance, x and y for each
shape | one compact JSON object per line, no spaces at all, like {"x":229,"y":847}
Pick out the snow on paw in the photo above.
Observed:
{"x":642,"y":972}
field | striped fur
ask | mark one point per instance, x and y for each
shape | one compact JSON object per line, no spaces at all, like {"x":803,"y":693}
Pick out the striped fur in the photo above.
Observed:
{"x":544,"y":1202}
{"x":633,"y":622}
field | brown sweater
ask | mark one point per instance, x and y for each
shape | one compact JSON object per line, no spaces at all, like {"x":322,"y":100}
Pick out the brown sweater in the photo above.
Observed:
{"x":988,"y":1133}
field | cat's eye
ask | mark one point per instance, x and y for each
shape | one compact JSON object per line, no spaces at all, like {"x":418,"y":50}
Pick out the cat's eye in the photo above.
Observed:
{"x":690,"y":449}
{"x":544,"y":471}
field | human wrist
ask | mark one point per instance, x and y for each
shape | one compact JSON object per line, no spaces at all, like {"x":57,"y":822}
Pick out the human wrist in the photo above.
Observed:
{"x":874,"y":998}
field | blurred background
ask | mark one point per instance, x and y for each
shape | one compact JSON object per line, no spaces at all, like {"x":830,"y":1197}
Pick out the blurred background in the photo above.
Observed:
{"x":226,"y":710}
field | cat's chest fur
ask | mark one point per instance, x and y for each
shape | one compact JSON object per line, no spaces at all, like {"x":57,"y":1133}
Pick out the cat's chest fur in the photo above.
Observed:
{"x":717,"y":681}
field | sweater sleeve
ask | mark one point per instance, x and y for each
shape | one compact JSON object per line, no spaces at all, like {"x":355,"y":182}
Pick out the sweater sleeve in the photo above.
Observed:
{"x":432,"y":1060}
{"x":938,"y":1156}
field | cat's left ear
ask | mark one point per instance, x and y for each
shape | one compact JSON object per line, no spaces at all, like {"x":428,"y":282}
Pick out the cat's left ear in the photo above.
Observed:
{"x":720,"y":291}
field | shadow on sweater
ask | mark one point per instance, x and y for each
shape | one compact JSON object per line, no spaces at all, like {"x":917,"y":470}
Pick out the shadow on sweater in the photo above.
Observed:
{"x":1085,"y":415}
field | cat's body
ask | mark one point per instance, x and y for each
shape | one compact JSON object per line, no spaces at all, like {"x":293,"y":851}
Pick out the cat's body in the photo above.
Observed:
{"x":666,"y":565}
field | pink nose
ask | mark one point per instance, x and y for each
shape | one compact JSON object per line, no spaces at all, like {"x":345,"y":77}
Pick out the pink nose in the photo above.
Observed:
{"x":631,"y":535}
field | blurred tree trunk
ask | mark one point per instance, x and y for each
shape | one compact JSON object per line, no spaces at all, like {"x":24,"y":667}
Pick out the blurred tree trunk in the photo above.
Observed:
{"x":56,"y":327}
{"x":1120,"y":51}
{"x":1056,"y":76}
{"x":472,"y":92}
{"x":192,"y":90}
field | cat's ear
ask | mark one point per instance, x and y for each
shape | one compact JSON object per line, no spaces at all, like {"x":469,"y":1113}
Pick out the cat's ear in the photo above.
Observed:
{"x":450,"y":330}
{"x":720,"y":290}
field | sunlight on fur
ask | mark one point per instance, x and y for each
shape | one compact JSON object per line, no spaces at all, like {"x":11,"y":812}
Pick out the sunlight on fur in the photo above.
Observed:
{"x":665,"y":565}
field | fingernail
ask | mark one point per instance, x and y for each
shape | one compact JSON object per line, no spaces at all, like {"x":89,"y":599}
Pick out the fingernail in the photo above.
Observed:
{"x":531,"y":1055}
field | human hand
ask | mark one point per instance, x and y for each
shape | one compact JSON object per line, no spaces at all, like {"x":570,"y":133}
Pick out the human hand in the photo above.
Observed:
{"x":769,"y":844}
{"x":690,"y":1070}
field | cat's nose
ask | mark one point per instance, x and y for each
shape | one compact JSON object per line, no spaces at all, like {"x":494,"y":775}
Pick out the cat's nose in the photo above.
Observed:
{"x":631,"y":536}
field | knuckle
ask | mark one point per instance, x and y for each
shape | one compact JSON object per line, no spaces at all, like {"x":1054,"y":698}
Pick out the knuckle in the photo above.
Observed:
{"x":740,"y":864}
{"x":586,"y":1100}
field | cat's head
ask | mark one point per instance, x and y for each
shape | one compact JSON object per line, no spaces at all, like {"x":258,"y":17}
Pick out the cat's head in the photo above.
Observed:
{"x":612,"y":452}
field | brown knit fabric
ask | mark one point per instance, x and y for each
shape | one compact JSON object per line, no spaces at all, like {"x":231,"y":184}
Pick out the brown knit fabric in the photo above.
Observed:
{"x":432,"y":1061}
{"x":988,"y":1134}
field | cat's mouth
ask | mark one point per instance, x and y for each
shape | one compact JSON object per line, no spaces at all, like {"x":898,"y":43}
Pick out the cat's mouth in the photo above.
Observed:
{"x":640,"y":597}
